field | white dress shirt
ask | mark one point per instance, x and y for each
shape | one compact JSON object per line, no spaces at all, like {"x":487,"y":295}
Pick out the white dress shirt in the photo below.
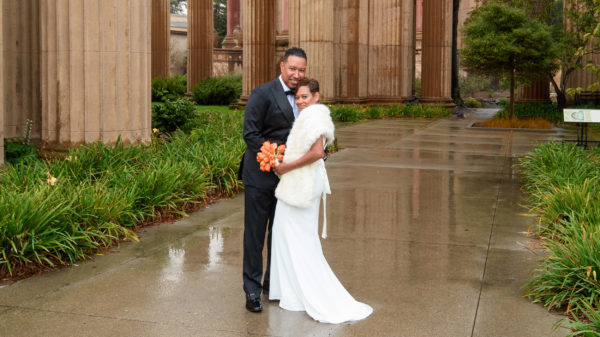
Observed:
{"x":290,"y":98}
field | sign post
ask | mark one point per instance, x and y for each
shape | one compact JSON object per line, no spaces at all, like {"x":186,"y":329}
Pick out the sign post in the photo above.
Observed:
{"x":582,"y":117}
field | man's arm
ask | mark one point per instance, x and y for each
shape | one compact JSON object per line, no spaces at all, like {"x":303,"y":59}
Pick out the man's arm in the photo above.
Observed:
{"x":254,"y":115}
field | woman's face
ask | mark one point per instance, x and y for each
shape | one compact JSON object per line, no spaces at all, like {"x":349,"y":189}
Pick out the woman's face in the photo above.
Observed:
{"x":305,"y":98}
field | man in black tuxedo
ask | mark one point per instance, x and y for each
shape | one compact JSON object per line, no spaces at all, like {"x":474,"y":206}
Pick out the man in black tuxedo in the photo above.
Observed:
{"x":269,"y":115}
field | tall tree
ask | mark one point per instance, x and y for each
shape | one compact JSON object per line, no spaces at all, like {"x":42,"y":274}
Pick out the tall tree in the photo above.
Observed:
{"x":177,"y":6}
{"x":502,"y":41}
{"x":572,"y":23}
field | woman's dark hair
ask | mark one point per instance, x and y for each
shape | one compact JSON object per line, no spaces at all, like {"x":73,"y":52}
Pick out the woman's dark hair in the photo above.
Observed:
{"x":312,"y":84}
{"x":294,"y":51}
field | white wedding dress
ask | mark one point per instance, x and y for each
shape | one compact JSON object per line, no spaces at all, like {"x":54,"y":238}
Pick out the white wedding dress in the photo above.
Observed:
{"x":300,"y":276}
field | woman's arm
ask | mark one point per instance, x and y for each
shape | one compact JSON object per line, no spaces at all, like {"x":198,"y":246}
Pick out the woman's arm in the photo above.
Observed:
{"x":315,"y":153}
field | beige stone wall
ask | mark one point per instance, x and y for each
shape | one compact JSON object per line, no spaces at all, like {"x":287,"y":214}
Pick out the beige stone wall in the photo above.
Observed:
{"x":178,"y":54}
{"x":227,"y":61}
{"x":21,"y":67}
{"x":95,"y":71}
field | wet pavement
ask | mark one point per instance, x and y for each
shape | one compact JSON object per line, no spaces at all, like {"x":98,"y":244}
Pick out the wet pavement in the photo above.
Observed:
{"x":425,"y":224}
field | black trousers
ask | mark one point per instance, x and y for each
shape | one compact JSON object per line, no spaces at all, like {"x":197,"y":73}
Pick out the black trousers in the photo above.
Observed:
{"x":258,"y":217}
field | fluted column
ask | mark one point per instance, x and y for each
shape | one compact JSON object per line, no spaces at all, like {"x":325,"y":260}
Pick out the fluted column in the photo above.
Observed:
{"x":537,"y":92}
{"x":200,"y":41}
{"x":436,"y":73}
{"x":351,"y":50}
{"x":385,"y":51}
{"x":316,"y":37}
{"x":161,"y":37}
{"x":21,"y":67}
{"x":96,"y":71}
{"x":258,"y":28}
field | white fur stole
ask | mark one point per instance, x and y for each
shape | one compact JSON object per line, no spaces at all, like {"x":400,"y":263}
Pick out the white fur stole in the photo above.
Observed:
{"x":298,"y":187}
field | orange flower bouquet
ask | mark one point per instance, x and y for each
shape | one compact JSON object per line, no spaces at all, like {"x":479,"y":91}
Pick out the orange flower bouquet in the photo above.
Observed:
{"x":270,"y":155}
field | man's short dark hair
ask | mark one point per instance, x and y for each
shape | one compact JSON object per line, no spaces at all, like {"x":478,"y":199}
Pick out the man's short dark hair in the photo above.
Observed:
{"x":294,"y":51}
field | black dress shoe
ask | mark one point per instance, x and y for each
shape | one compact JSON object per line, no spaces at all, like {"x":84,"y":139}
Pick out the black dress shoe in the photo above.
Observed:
{"x":253,"y":303}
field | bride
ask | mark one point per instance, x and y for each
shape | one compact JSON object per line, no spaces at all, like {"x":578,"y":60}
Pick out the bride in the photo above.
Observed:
{"x":300,"y":276}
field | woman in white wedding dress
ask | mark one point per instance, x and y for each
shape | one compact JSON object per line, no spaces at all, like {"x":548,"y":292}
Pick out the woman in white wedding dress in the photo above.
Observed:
{"x":301,"y":278}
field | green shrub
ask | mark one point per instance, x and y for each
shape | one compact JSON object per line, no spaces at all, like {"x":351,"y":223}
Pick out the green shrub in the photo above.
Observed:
{"x":169,"y":88}
{"x":374,"y":111}
{"x":218,"y":91}
{"x":548,"y":111}
{"x":172,"y":116}
{"x":346,"y":113}
{"x":471,"y":102}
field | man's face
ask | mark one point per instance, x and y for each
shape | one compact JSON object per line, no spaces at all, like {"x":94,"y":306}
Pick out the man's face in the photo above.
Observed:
{"x":292,"y":70}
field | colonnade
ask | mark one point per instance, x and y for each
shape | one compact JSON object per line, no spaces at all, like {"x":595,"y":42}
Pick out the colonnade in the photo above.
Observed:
{"x":81,"y":70}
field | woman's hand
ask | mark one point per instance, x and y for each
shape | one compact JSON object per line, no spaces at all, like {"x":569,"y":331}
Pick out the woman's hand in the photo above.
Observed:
{"x":315,"y":153}
{"x":281,"y":169}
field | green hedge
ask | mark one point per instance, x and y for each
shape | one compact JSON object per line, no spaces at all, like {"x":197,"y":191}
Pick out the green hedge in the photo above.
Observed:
{"x":354,"y":113}
{"x":548,"y":111}
{"x":218,"y":91}
{"x":60,"y":211}
{"x":563,"y":187}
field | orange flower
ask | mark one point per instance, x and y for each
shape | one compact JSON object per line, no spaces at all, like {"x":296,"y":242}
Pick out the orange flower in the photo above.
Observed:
{"x":270,"y":155}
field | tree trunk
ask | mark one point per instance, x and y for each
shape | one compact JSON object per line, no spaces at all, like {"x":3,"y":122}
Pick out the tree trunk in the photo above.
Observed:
{"x":512,"y":96}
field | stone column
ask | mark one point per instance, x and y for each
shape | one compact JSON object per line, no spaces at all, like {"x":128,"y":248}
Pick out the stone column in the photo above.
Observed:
{"x":200,"y":41}
{"x":351,"y":50}
{"x":537,"y":92}
{"x":233,"y":20}
{"x":390,"y":50}
{"x":21,"y":67}
{"x":315,"y":34}
{"x":437,"y":51}
{"x":161,"y":37}
{"x":258,"y":29}
{"x":96,"y":71}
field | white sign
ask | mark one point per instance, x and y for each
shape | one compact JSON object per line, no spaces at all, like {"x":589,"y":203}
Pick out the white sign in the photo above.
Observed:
{"x":581,"y":115}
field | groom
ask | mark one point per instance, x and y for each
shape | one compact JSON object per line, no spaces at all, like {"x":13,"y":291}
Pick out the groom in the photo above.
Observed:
{"x":269,"y":115}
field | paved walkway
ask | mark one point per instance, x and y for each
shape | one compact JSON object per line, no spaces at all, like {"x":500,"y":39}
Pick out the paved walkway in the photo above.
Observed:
{"x":424,"y":224}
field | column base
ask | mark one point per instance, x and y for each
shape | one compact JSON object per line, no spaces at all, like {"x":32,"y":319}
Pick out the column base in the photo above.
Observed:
{"x":230,"y":42}
{"x":385,"y":100}
{"x":443,"y":101}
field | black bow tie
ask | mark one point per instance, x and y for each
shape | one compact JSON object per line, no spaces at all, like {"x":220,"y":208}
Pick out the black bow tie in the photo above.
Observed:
{"x":289,"y":92}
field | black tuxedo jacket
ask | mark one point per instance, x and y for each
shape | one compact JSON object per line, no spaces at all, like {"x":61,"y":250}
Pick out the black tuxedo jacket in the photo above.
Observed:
{"x":268,"y":116}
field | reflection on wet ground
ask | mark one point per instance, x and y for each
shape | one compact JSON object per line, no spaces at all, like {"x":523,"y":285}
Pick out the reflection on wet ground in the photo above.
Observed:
{"x":425,"y":225}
